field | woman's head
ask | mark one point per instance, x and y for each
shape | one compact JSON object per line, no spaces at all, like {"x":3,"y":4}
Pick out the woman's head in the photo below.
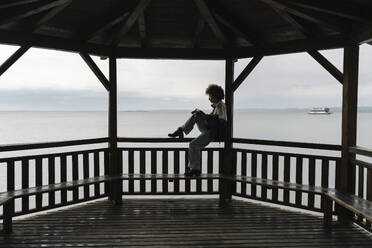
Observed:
{"x":215,"y":93}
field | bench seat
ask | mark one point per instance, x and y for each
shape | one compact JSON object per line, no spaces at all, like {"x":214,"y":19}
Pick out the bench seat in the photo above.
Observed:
{"x":351,"y":202}
{"x":279,"y":184}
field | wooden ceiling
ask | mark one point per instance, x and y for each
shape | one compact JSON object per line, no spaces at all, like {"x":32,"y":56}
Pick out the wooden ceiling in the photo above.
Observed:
{"x":185,"y":29}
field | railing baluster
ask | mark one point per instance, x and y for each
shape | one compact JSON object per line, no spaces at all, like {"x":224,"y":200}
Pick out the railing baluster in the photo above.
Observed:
{"x":360,"y":186}
{"x":164,"y":170}
{"x":96,"y":173}
{"x":275,"y":177}
{"x":287,"y":176}
{"x":234,"y":171}
{"x":106,"y":168}
{"x":325,"y":170}
{"x":130,"y":170}
{"x":75,"y":176}
{"x":176,"y":164}
{"x":198,"y":180}
{"x":142,"y":170}
{"x":10,"y":183}
{"x":299,"y":171}
{"x":154,"y":166}
{"x":264,"y":175}
{"x":63,"y":165}
{"x":25,"y":184}
{"x":369,"y":191}
{"x":311,"y":196}
{"x":187,"y":180}
{"x":51,"y":179}
{"x":86,"y":174}
{"x":254,"y":173}
{"x":210,"y":170}
{"x":39,"y":181}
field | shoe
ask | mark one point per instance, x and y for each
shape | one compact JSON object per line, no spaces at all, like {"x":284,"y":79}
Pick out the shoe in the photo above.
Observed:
{"x":192,"y":172}
{"x":178,"y":133}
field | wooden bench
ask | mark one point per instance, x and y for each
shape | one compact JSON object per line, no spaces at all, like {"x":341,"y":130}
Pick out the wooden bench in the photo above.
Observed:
{"x":353,"y":203}
{"x":6,"y":198}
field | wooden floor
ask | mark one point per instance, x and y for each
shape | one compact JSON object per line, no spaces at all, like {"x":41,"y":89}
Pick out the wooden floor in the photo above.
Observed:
{"x":179,"y":223}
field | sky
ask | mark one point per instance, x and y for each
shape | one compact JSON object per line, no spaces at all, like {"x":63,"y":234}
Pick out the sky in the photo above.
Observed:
{"x":47,"y":80}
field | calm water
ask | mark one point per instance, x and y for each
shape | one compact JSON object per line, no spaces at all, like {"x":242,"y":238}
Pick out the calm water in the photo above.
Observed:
{"x":26,"y":127}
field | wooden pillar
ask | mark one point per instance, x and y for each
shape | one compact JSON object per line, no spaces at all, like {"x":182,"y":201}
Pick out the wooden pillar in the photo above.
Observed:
{"x":226,"y":186}
{"x":349,"y":123}
{"x":115,"y":190}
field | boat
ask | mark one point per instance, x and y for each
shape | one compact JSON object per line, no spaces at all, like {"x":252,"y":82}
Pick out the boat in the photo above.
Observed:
{"x":319,"y":111}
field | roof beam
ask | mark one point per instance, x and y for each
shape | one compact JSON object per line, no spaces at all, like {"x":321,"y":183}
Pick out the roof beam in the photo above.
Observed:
{"x":48,"y":16}
{"x":22,"y":13}
{"x":316,"y":19}
{"x":350,"y":11}
{"x":13,"y":3}
{"x":95,"y":69}
{"x":13,"y":58}
{"x":247,"y":70}
{"x":112,"y":22}
{"x":208,"y":17}
{"x":130,"y":22}
{"x":336,"y":73}
{"x":142,"y":29}
{"x":198,"y":30}
{"x":56,"y":43}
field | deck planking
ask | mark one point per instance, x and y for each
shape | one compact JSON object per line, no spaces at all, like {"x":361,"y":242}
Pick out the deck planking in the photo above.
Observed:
{"x":181,"y":223}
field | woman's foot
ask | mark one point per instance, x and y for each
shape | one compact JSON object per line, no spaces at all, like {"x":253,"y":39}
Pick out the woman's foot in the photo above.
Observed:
{"x":178,"y":133}
{"x":192,"y":172}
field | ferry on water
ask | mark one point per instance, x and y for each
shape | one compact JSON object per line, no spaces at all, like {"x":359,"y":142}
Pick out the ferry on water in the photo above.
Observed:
{"x":319,"y":111}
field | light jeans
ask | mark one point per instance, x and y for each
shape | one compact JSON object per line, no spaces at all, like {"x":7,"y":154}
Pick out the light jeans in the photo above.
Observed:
{"x":199,"y":142}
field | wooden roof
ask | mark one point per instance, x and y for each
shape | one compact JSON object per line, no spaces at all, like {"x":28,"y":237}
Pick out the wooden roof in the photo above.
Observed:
{"x":185,"y":29}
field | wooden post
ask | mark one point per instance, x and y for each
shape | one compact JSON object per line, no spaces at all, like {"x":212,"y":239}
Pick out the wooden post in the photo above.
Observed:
{"x":225,"y":187}
{"x":349,"y":123}
{"x":115,"y":190}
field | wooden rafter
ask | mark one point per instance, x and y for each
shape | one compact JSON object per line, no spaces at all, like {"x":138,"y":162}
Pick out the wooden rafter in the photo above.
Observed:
{"x":198,"y":30}
{"x":247,"y":70}
{"x":95,"y":69}
{"x":13,"y":3}
{"x":33,"y":10}
{"x":338,"y":8}
{"x":252,"y":39}
{"x":133,"y":17}
{"x":48,"y":16}
{"x":13,"y":58}
{"x":310,"y":17}
{"x":142,"y":29}
{"x":208,"y":17}
{"x":336,"y":73}
{"x":105,"y":26}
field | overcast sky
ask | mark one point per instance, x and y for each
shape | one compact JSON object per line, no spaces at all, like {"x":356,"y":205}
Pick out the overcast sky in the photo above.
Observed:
{"x":53,"y":80}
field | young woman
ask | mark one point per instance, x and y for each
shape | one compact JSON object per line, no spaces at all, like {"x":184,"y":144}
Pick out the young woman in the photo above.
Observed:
{"x":212,"y":128}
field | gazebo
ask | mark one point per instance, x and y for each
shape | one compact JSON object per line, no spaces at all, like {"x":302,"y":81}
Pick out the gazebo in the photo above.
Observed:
{"x":193,"y":30}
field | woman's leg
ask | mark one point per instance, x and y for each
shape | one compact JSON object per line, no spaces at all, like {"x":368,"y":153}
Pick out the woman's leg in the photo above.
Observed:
{"x":195,"y":147}
{"x":199,"y":119}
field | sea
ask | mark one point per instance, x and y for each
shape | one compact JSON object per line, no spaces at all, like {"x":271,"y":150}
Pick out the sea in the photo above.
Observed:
{"x":279,"y":125}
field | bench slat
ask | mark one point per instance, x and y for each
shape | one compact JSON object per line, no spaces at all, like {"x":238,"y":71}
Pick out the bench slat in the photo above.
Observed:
{"x":353,"y":203}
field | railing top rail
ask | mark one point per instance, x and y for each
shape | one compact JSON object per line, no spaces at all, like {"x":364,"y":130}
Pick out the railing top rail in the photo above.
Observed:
{"x":361,"y":151}
{"x":153,"y":140}
{"x":53,"y":144}
{"x":287,"y":154}
{"x":50,"y":155}
{"x":288,"y":144}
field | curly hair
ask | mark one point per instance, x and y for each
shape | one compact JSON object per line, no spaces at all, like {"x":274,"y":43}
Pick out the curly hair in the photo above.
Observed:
{"x":215,"y":91}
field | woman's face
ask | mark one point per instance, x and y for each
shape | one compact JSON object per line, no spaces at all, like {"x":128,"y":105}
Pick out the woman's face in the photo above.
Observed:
{"x":212,"y":99}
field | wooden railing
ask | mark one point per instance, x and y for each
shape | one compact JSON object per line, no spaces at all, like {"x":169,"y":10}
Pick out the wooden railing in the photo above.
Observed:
{"x":49,"y":168}
{"x":363,"y":178}
{"x":293,"y":167}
